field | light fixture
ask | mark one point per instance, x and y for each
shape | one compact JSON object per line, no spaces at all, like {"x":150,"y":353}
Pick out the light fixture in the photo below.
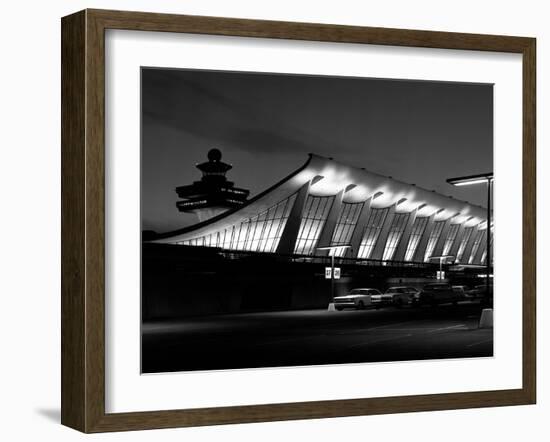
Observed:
{"x":471,"y":179}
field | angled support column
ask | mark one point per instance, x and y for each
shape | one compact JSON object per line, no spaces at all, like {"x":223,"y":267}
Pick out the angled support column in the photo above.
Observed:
{"x":404,"y":241}
{"x":469,"y":246}
{"x":383,"y":237}
{"x":454,"y":247}
{"x":482,"y":247}
{"x":421,"y":248}
{"x":357,"y":235}
{"x":438,"y":249}
{"x":288,"y":239}
{"x":330,"y":224}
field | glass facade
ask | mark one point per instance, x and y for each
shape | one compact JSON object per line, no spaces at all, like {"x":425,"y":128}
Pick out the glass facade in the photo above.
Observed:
{"x":397,"y":228}
{"x":372,"y":231}
{"x":450,"y":240}
{"x":484,"y":256}
{"x":432,"y":240}
{"x":257,"y":234}
{"x":465,"y":238}
{"x":418,"y":228}
{"x":475,"y":247}
{"x":345,"y":226}
{"x":314,"y":216}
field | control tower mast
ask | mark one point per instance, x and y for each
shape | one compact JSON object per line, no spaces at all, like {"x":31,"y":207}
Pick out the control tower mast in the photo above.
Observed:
{"x":213,"y":194}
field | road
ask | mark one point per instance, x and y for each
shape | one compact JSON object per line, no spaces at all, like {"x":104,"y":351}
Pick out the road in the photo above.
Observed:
{"x":312,"y":337}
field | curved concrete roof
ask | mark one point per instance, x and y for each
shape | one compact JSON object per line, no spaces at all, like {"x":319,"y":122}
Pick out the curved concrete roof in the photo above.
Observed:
{"x":332,"y":177}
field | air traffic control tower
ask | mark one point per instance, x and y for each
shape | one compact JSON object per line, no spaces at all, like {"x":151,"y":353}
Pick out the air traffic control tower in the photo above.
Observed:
{"x":213,"y":194}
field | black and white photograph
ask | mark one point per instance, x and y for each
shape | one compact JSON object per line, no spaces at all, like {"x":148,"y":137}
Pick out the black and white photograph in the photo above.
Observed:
{"x":300,"y":220}
{"x":267,"y":221}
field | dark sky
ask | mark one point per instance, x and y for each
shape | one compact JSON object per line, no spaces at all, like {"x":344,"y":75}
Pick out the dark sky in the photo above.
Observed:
{"x":265,"y":125}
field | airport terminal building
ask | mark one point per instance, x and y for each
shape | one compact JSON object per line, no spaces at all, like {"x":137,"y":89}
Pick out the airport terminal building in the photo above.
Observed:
{"x":324,"y":204}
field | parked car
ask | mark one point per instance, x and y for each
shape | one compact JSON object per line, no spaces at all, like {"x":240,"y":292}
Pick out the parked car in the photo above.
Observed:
{"x":479,"y":291}
{"x":437,"y":293}
{"x":359,"y":298}
{"x":396,"y":296}
{"x":461,"y":290}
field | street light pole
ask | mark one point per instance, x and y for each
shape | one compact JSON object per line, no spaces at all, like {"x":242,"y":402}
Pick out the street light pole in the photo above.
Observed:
{"x":332,"y":278}
{"x":441,"y":259}
{"x":477,"y":179}
{"x":332,"y":251}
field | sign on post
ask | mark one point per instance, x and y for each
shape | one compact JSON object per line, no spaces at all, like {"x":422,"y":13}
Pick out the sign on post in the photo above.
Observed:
{"x":328,"y":273}
{"x":336,"y":272}
{"x":440,"y":274}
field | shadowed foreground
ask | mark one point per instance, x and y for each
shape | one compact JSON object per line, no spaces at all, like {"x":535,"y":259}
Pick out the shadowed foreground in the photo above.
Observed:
{"x":313,"y":337}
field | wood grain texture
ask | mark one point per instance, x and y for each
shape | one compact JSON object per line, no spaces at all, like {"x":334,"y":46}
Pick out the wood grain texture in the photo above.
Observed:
{"x":529,"y":221}
{"x":73,"y":128}
{"x":95,"y":222}
{"x":83,"y":218}
{"x":144,"y":21}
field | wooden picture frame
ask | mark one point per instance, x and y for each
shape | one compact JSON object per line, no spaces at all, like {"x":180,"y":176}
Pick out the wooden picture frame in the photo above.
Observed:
{"x":83,"y":216}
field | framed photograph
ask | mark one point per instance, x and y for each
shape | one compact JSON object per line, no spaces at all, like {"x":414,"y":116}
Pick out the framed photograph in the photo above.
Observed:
{"x":267,"y":221}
